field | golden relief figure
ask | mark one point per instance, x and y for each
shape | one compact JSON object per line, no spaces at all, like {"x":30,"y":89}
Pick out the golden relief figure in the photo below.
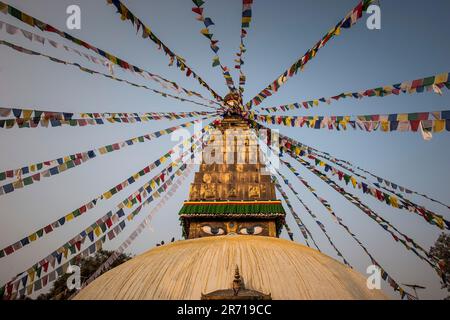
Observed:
{"x":232,"y":192}
{"x":207,"y":178}
{"x":240,"y":168}
{"x":254,"y":192}
{"x":194,"y":192}
{"x":264,"y":191}
{"x":208,"y":191}
{"x":225,"y":178}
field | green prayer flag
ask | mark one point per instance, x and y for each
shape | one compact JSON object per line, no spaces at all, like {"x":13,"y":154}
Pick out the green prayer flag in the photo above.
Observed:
{"x":198,"y":3}
{"x":216,"y":61}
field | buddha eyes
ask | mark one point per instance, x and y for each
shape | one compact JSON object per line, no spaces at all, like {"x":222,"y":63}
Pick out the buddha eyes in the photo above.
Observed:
{"x":213,"y":230}
{"x":251,"y":230}
{"x":217,"y":231}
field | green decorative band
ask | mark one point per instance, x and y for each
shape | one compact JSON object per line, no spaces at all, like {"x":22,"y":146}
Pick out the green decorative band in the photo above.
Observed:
{"x":247,"y":208}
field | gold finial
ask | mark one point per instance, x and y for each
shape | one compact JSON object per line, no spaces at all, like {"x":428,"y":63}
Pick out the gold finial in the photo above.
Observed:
{"x":237,"y":282}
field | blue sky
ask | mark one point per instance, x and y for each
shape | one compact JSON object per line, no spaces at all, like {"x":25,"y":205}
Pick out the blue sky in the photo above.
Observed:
{"x":411,"y":44}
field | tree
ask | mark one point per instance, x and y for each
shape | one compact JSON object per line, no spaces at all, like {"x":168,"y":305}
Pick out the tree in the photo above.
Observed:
{"x":88,"y":266}
{"x":441,"y":250}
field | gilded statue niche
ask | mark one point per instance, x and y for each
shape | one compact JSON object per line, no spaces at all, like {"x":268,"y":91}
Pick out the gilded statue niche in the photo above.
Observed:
{"x":225,"y":177}
{"x":254,"y":192}
{"x":232,"y":193}
{"x":194,"y":192}
{"x":208,"y":191}
{"x":207,"y":178}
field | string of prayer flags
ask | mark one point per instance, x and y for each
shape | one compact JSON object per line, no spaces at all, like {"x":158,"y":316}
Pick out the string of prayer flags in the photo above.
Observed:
{"x":318,"y":222}
{"x":179,"y":62}
{"x":128,"y":203}
{"x":314,"y":153}
{"x":350,"y":19}
{"x":20,"y":113}
{"x":36,"y":269}
{"x":383,"y":223}
{"x":32,"y":173}
{"x":345,"y":164}
{"x":293,"y":149}
{"x":139,"y":229}
{"x":245,"y":24}
{"x":305,"y":232}
{"x":429,"y":84}
{"x":400,"y":188}
{"x":102,"y":232}
{"x":81,"y":68}
{"x":113,"y":60}
{"x":401,"y":203}
{"x":28,"y":284}
{"x":391,"y":200}
{"x":289,"y":231}
{"x":30,"y":118}
{"x":102,"y":225}
{"x":142,"y":226}
{"x":213,"y":43}
{"x":33,"y":37}
{"x":338,"y":220}
{"x":435,"y":122}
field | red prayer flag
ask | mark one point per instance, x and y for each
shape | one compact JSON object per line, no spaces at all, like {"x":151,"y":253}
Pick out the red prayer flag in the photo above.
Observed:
{"x":198,"y":10}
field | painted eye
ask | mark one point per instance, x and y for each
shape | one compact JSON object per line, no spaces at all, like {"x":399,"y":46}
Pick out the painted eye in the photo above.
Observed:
{"x":213,"y":230}
{"x":251,"y":230}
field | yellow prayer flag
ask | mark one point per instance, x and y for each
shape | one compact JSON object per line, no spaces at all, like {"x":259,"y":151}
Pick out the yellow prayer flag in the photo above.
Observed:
{"x":129,"y":204}
{"x":438,"y":125}
{"x":124,"y":12}
{"x":69,"y":217}
{"x":394,"y":201}
{"x":97,"y":231}
{"x":107,"y":195}
{"x":33,"y":237}
{"x":31,"y":274}
{"x":337,"y":31}
{"x":441,"y":78}
{"x":30,"y":289}
{"x":439,"y":221}
{"x":26,"y":114}
{"x":353,"y":181}
{"x":147,"y":32}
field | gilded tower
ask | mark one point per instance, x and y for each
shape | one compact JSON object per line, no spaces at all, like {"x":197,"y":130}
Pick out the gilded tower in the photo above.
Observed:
{"x":232,"y":193}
